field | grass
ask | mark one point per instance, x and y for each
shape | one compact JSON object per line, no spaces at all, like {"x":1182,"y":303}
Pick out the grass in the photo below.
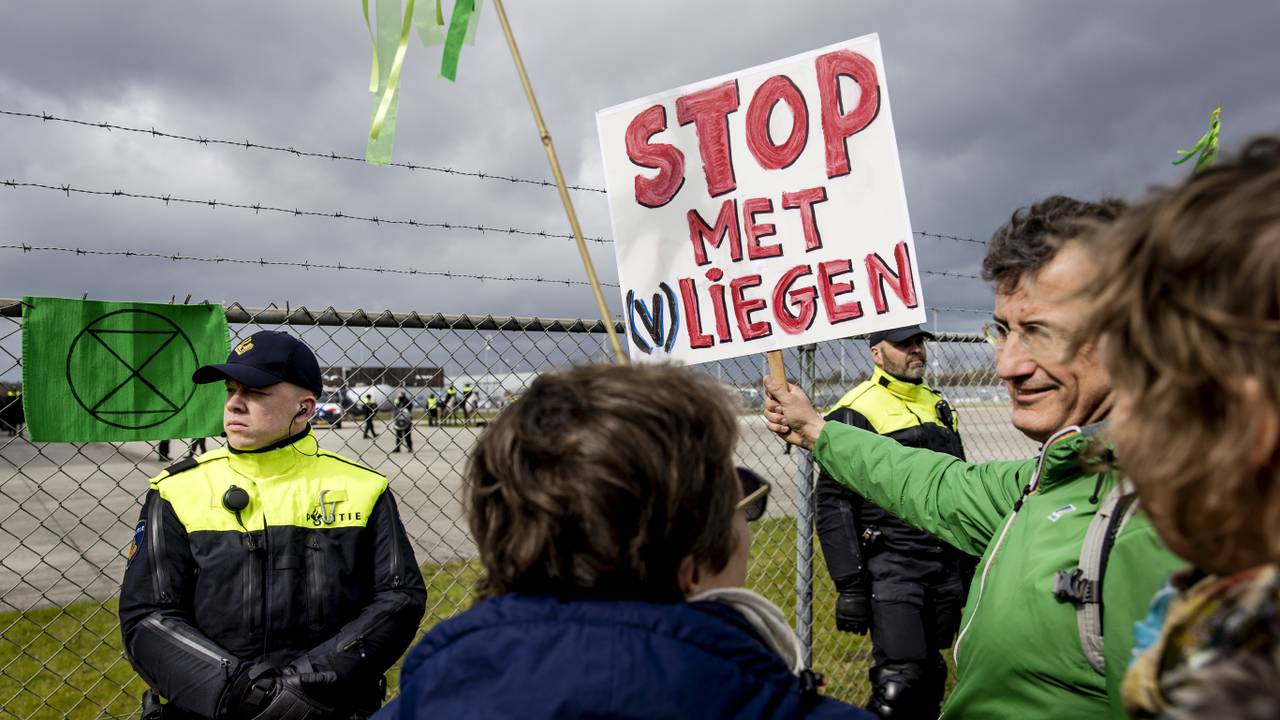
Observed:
{"x":67,"y":662}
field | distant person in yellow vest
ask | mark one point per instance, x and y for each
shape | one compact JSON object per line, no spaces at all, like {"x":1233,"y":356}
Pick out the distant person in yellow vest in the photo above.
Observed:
{"x":433,"y":410}
{"x":450,"y":402}
{"x":270,"y":578}
{"x":11,"y":412}
{"x":905,"y":586}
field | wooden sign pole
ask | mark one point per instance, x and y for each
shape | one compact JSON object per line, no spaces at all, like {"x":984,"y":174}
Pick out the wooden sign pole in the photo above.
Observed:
{"x":776,"y":369}
{"x":619,"y":356}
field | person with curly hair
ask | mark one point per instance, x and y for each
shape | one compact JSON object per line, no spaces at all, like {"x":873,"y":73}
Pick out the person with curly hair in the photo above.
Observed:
{"x":1186,"y":308}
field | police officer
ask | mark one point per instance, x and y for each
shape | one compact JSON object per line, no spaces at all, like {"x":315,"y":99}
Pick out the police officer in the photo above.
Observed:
{"x":402,"y":424}
{"x":433,"y":410}
{"x":11,"y":412}
{"x":268,"y":579}
{"x":370,"y":409}
{"x":907,"y":587}
{"x":451,"y":403}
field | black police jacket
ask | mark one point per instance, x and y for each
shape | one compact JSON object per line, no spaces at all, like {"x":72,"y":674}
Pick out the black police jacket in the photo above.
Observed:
{"x":313,"y":571}
{"x":849,"y":527}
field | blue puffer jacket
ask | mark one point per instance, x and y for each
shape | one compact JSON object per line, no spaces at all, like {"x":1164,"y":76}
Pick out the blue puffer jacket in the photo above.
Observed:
{"x":538,"y":657}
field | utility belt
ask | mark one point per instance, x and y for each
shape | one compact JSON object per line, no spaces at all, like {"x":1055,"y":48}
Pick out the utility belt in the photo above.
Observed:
{"x":874,"y":539}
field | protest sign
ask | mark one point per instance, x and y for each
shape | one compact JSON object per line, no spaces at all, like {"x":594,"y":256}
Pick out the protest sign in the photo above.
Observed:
{"x":115,"y":371}
{"x":761,"y":210}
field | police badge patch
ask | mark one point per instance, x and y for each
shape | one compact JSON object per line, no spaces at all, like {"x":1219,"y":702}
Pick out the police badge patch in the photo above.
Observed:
{"x":139,"y":532}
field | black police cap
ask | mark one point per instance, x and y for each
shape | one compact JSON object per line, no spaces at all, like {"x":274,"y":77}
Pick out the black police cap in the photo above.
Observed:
{"x":898,"y":334}
{"x":266,"y":358}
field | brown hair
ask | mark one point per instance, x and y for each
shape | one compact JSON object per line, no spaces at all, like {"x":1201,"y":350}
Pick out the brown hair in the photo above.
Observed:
{"x":1187,"y":302}
{"x":599,"y":480}
{"x":1033,"y":234}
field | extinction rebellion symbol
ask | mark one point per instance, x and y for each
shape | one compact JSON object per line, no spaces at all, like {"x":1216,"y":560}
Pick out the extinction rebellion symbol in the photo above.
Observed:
{"x":132,"y":369}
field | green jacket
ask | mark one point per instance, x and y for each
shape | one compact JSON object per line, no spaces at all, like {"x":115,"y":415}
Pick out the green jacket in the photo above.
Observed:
{"x":1018,"y":654}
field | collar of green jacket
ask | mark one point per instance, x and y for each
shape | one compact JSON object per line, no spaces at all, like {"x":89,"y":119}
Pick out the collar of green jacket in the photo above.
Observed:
{"x":1067,"y":454}
{"x":276,"y":459}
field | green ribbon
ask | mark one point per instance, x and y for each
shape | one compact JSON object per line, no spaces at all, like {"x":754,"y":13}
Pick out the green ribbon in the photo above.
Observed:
{"x":393,"y":79}
{"x":431,"y":27}
{"x":459,"y":25}
{"x":475,"y":22}
{"x":1206,"y":146}
{"x":373,"y":40}
{"x":433,"y":31}
{"x":384,"y":75}
{"x":382,"y":122}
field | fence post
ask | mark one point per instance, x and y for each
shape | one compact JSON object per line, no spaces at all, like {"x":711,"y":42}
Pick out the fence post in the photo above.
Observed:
{"x":804,"y":521}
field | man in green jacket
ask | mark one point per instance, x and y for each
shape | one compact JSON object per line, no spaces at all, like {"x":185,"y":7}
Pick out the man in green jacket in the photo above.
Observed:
{"x":1066,"y":560}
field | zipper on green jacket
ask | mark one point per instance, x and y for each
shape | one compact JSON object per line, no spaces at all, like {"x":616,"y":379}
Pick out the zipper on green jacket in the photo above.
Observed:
{"x":991,"y":559}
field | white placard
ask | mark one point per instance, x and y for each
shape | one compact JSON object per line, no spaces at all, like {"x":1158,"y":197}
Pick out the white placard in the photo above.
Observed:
{"x":761,"y":210}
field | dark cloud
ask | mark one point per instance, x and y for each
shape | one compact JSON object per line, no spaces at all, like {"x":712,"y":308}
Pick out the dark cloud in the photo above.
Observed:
{"x":995,"y":104}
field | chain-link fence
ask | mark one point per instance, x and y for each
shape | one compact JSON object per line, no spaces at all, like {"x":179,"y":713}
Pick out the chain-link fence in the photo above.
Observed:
{"x":67,"y":510}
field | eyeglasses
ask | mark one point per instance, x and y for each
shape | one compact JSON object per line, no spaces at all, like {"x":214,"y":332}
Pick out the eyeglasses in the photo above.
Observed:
{"x":1040,"y":341}
{"x":755,"y":494}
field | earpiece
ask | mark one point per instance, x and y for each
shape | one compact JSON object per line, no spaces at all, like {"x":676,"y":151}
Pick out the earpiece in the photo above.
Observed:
{"x":302,"y":410}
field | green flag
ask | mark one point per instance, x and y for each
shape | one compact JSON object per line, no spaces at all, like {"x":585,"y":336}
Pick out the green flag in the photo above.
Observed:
{"x":115,"y":371}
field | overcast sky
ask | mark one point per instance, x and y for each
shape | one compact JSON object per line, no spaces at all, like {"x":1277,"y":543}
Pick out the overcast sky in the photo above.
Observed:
{"x":995,"y":105}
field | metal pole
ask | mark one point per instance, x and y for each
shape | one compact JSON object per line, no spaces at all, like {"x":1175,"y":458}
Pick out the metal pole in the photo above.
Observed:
{"x":804,"y":522}
{"x":842,"y":382}
{"x":560,"y":184}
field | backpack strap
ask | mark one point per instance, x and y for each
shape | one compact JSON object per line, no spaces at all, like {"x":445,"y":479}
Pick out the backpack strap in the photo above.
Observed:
{"x":1082,"y":586}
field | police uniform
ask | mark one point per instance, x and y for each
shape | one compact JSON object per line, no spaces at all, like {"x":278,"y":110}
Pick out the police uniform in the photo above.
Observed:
{"x":370,"y":410}
{"x":258,"y":572}
{"x":906,"y":585}
{"x":433,"y":410}
{"x":450,"y":402}
{"x":11,"y":412}
{"x":402,"y":424}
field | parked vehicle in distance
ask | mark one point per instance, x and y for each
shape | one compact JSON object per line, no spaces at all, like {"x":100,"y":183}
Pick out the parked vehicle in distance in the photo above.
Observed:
{"x":330,"y":413}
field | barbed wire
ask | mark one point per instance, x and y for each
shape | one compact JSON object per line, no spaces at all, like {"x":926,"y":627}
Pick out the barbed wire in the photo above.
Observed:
{"x":941,"y":236}
{"x":263,"y":262}
{"x":179,"y":257}
{"x":948,"y":274}
{"x":943,"y":308}
{"x":290,"y":150}
{"x":339,"y":215}
{"x":296,"y":212}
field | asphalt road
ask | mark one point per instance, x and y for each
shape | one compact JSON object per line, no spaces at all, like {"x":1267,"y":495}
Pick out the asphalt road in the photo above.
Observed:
{"x":67,"y":512}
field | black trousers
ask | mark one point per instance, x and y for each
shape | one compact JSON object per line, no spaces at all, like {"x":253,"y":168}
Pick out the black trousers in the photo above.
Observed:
{"x":915,"y":608}
{"x":405,"y":436}
{"x":915,"y":613}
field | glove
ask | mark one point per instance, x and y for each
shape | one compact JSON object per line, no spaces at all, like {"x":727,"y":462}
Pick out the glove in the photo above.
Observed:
{"x":853,"y":612}
{"x":261,"y":692}
{"x":286,"y":700}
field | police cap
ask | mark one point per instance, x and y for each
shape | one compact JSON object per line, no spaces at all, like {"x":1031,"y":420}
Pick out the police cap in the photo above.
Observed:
{"x":898,"y":335}
{"x":266,"y":358}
